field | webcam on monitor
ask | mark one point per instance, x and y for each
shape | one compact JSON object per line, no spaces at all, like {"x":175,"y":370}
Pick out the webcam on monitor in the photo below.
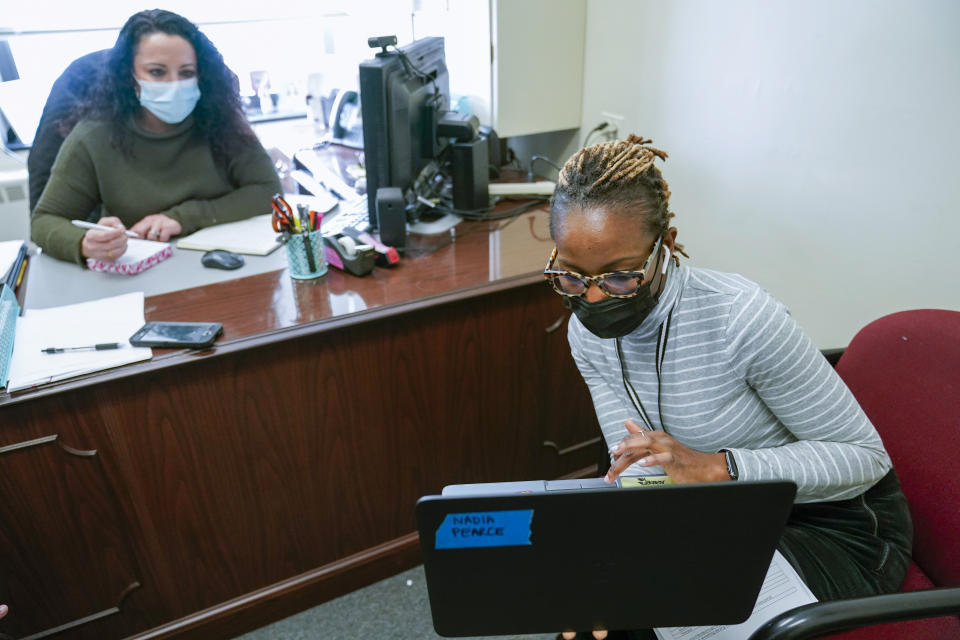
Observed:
{"x":381,"y":41}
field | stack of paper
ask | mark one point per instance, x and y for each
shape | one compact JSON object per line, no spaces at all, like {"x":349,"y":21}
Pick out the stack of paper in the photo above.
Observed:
{"x":76,"y":325}
{"x":783,"y":589}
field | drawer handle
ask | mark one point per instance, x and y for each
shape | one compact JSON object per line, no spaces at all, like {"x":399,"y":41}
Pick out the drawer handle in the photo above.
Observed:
{"x":37,"y":442}
{"x":80,"y":621}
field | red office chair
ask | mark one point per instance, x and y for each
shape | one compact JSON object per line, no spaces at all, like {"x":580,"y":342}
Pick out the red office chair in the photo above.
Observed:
{"x":904,"y":369}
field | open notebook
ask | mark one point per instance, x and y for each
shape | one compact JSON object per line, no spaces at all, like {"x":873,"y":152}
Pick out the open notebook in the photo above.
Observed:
{"x":139,"y":256}
{"x":253,"y":236}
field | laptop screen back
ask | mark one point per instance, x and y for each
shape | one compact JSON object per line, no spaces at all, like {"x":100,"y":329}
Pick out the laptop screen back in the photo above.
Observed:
{"x":599,"y":559}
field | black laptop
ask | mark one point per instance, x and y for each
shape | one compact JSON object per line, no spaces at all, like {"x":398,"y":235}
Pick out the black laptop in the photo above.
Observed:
{"x":544,"y":557}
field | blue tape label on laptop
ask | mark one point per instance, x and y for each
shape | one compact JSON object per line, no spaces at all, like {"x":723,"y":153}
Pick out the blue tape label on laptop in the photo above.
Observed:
{"x":485,"y":529}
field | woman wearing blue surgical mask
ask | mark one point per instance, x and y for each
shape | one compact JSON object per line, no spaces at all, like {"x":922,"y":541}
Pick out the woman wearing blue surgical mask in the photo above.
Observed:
{"x":705,"y":377}
{"x":161,"y":148}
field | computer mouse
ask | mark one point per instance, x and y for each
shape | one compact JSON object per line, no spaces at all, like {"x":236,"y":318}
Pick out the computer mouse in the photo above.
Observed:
{"x":220,"y":259}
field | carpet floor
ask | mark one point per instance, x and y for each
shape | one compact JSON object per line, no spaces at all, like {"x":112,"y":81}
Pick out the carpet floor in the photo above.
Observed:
{"x":393,"y":609}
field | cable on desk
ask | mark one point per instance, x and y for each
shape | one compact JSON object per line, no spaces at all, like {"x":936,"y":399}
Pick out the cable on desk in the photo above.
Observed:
{"x":481,"y":215}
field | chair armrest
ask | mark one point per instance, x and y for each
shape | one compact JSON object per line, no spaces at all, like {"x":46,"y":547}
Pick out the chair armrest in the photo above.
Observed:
{"x":822,"y":618}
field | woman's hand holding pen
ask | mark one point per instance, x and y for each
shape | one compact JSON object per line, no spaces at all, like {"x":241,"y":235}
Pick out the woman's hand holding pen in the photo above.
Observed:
{"x":657,"y":448}
{"x":157,"y":227}
{"x":105,"y":245}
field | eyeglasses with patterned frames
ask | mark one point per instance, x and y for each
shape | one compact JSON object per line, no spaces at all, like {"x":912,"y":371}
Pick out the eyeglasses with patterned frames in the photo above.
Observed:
{"x":615,"y":284}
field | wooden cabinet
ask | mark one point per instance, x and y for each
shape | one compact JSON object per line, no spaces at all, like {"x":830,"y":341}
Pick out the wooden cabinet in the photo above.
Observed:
{"x":66,"y":551}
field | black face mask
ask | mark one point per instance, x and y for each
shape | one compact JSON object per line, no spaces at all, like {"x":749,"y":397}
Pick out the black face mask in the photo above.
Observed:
{"x":613,"y":317}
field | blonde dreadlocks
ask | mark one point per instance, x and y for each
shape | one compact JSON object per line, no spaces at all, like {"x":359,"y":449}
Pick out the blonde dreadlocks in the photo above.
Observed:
{"x":618,"y":174}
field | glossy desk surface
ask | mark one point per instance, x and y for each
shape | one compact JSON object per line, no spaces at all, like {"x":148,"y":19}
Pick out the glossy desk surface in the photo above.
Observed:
{"x":474,"y":259}
{"x":479,"y":258}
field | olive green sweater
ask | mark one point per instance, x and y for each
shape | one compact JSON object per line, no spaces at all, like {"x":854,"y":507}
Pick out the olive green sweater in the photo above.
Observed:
{"x":172,"y":173}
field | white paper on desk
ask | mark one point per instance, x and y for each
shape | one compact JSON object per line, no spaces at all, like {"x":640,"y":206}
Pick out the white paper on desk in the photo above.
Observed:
{"x":9,"y":251}
{"x":782,"y":590}
{"x":254,"y":236}
{"x":322,"y":202}
{"x":106,"y":320}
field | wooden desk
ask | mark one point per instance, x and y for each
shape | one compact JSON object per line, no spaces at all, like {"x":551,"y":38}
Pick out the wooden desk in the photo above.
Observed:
{"x":199,"y":495}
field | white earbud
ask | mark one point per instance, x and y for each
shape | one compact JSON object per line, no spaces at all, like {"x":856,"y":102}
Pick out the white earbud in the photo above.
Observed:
{"x":349,"y":246}
{"x":666,"y":260}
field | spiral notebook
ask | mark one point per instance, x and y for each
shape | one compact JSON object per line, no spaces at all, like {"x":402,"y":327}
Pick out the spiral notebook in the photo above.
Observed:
{"x":139,"y":256}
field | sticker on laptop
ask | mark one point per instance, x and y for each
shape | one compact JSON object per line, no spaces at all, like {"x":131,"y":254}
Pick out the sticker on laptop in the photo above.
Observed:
{"x":485,"y":529}
{"x":644,"y":481}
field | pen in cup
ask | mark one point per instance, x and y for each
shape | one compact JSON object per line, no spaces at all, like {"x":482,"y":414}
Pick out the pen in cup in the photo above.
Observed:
{"x":103,"y":346}
{"x":101,"y":227}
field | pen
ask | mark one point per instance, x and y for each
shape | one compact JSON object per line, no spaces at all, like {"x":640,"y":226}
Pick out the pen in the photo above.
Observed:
{"x":334,"y":193}
{"x":23,"y":269}
{"x":103,"y":346}
{"x":308,"y":247}
{"x":90,"y":225}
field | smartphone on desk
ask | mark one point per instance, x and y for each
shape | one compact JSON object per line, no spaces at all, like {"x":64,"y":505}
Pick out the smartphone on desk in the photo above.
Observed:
{"x":177,"y":335}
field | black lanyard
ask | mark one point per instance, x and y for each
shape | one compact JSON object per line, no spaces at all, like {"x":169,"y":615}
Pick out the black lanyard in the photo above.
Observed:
{"x":662,"y":337}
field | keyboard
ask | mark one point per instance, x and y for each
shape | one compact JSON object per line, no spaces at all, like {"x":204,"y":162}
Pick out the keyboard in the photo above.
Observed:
{"x":349,"y":213}
{"x":546,"y":486}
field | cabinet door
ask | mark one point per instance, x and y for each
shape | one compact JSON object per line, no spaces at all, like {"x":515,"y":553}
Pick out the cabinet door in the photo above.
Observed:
{"x":571,"y":440}
{"x":65,"y":558}
{"x":538,"y":57}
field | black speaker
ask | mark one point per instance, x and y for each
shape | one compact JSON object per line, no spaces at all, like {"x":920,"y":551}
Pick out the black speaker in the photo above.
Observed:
{"x":496,"y":150}
{"x":392,"y":217}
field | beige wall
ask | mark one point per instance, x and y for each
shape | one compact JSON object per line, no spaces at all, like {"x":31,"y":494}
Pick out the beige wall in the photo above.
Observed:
{"x":813,"y":145}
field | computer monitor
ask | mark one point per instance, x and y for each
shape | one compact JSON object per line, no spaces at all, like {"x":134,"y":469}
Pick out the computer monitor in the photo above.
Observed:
{"x":403,"y":93}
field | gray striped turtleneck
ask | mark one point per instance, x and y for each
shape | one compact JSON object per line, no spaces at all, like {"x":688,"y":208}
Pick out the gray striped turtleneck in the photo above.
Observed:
{"x":737,"y":373}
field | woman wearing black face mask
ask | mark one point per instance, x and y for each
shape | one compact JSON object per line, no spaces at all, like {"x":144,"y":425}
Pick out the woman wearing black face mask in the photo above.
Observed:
{"x":703,"y":376}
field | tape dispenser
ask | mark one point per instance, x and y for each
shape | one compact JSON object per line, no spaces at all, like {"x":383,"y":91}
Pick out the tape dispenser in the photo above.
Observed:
{"x":346,"y":254}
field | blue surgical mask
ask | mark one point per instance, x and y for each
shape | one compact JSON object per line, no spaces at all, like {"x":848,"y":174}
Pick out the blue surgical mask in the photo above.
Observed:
{"x":173,"y":101}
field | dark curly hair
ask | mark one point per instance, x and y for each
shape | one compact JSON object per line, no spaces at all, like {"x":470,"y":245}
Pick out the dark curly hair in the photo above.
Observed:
{"x":218,"y":116}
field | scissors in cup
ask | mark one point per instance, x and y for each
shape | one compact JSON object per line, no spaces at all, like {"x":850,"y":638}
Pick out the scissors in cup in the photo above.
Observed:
{"x":283,"y":221}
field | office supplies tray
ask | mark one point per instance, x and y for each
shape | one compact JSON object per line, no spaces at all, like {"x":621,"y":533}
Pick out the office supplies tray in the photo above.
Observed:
{"x":9,"y":311}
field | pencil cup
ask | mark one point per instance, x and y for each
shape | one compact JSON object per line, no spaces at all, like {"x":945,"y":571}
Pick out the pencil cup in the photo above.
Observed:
{"x":305,"y":255}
